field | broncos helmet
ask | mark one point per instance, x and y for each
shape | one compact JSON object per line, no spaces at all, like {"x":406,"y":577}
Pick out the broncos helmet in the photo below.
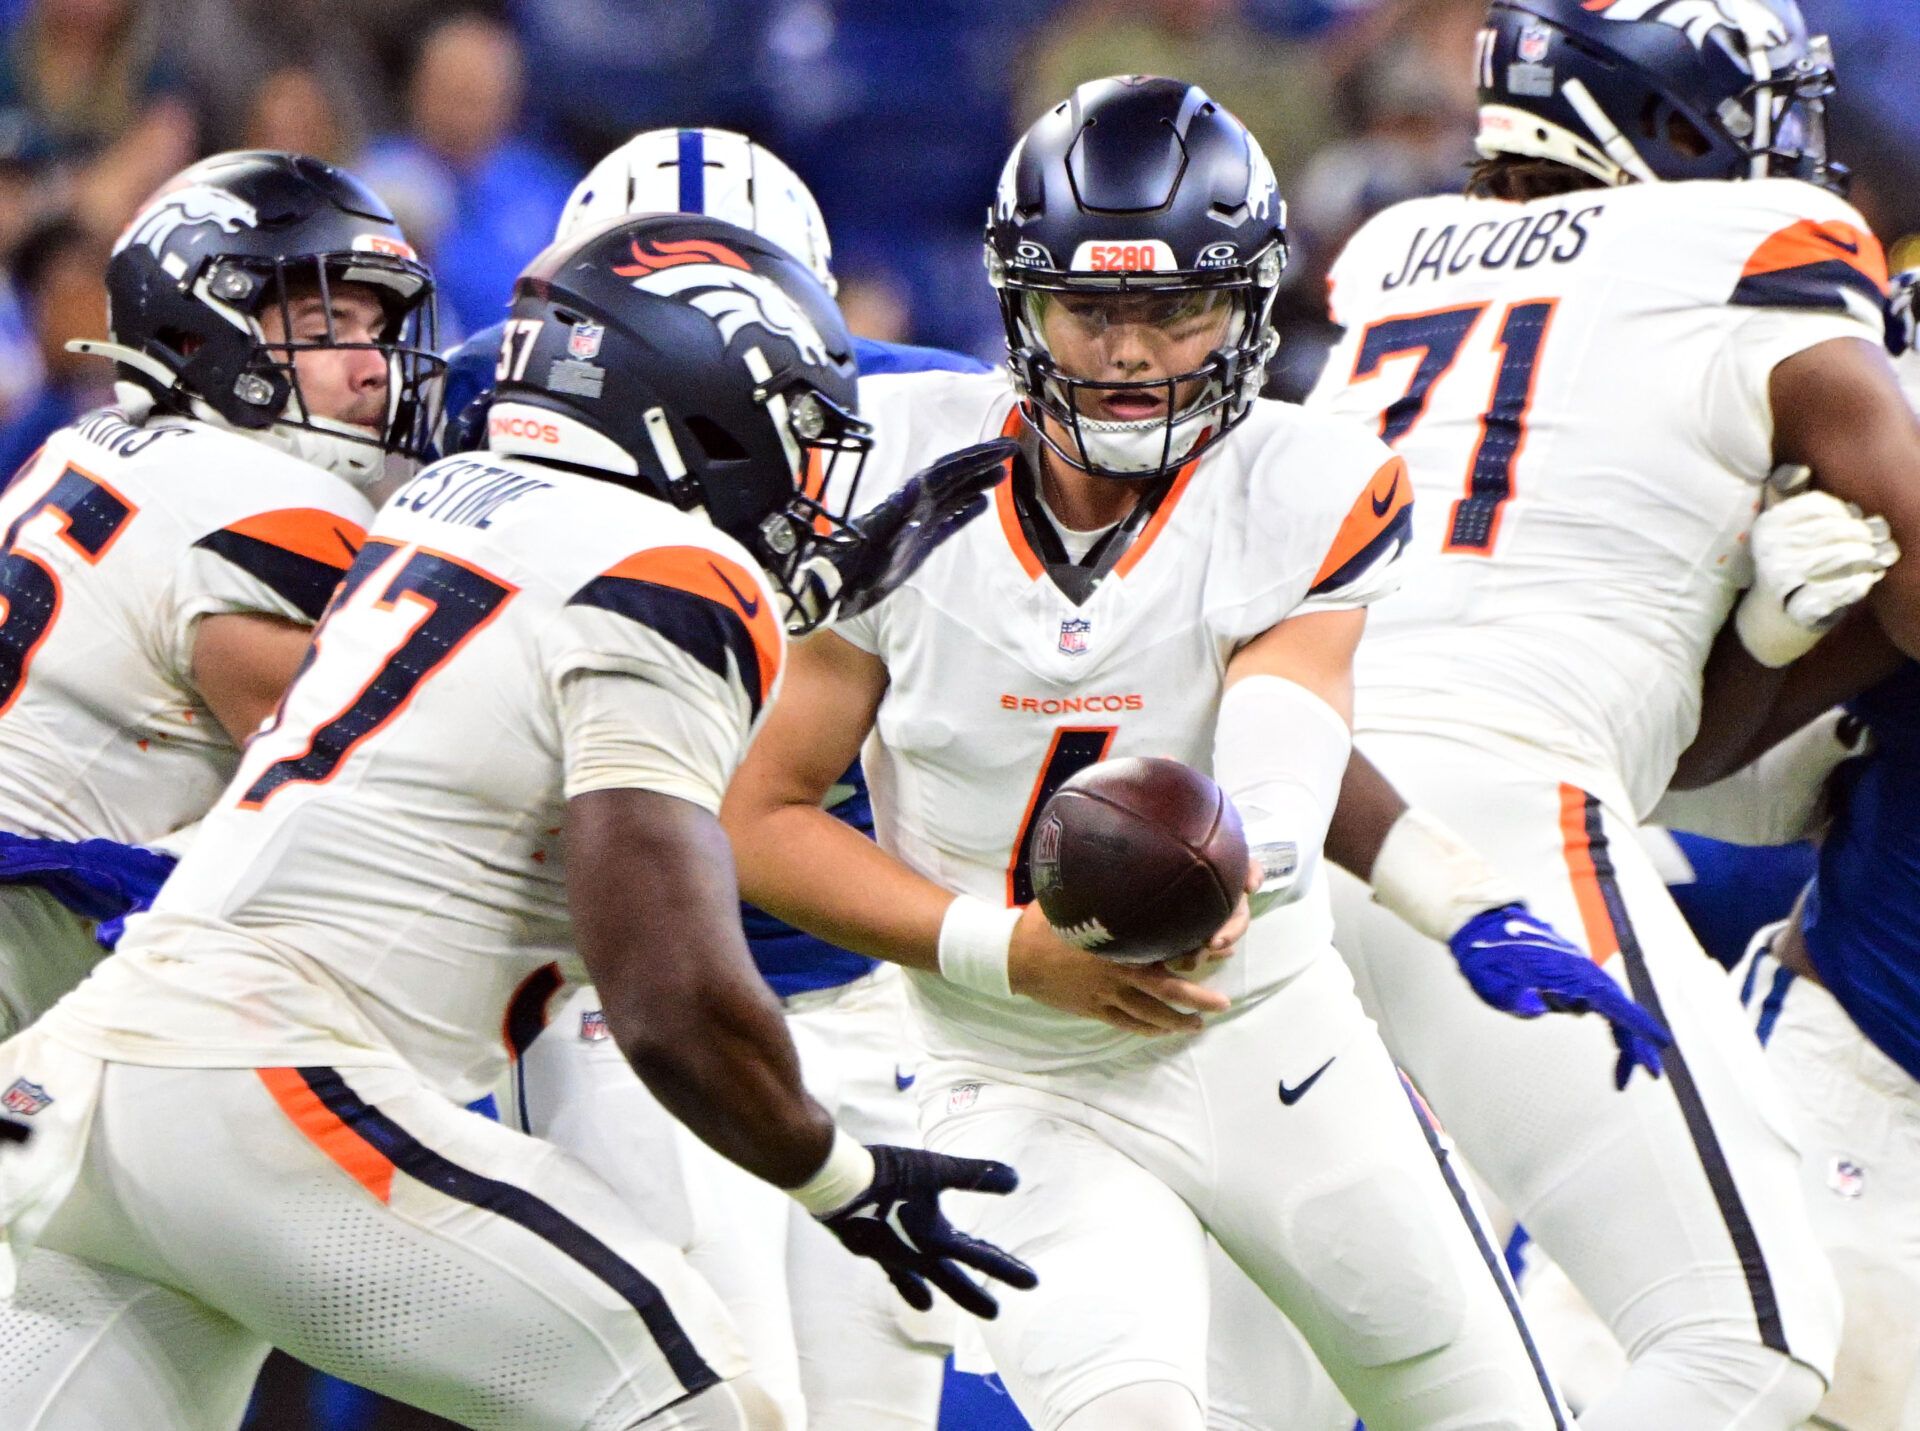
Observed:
{"x":1145,"y":187}
{"x":705,"y":171}
{"x":1647,"y":90}
{"x":696,"y":362}
{"x":228,"y":240}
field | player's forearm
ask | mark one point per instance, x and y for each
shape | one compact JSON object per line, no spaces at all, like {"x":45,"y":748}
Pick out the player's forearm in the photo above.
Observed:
{"x":656,"y":919}
{"x":1737,"y":692}
{"x":801,"y":864}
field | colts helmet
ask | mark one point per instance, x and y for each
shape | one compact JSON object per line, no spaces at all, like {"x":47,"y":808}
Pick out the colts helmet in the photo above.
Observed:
{"x":237,"y":236}
{"x":695,"y":362}
{"x":1146,"y":187}
{"x":705,"y":171}
{"x":1646,"y":90}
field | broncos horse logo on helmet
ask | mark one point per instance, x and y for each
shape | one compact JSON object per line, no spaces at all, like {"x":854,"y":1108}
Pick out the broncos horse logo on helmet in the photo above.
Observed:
{"x":1644,"y":90}
{"x":720,"y":284}
{"x":1698,"y":18}
{"x":194,"y":204}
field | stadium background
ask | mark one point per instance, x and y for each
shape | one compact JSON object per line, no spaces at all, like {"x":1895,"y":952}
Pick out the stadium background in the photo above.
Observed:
{"x":474,"y":120}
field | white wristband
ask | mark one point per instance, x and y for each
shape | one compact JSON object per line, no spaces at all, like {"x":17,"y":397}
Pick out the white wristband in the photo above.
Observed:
{"x":975,"y":939}
{"x":1435,"y":880}
{"x":847,"y":1172}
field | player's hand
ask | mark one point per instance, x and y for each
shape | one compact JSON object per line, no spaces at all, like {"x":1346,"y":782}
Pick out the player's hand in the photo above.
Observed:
{"x":1225,"y":942}
{"x":898,"y":1223}
{"x":1813,"y":557}
{"x":848,"y":575}
{"x":1522,"y":966}
{"x":1135,"y":998}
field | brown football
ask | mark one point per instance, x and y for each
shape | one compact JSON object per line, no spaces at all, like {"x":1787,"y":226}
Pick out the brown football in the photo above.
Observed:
{"x":1138,"y":859}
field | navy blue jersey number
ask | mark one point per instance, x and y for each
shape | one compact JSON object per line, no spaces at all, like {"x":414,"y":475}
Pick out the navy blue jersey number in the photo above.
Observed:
{"x":1074,"y":748}
{"x":1439,"y":337}
{"x":91,"y":515}
{"x":454,"y":601}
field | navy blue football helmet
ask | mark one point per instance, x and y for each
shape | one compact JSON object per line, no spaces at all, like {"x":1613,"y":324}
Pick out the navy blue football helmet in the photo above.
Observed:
{"x":1645,"y":90}
{"x":1147,"y":187}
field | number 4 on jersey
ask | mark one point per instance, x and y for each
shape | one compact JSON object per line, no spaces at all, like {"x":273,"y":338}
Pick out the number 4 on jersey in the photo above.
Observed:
{"x":1438,"y":338}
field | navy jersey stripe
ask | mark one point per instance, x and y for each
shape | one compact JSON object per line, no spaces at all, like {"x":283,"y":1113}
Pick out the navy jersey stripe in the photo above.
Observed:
{"x":1821,"y":286}
{"x":708,"y":631}
{"x":304,"y":581}
{"x":1391,"y":537}
{"x":1496,"y":1264}
{"x":1706,"y":1142}
{"x":517,"y":1205}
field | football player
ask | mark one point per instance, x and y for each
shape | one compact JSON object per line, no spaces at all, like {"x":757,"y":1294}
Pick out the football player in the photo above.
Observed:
{"x":1178,"y":569}
{"x":828,"y":1339}
{"x":504,"y":754}
{"x":1648,"y":299}
{"x":163,"y":561}
{"x":1831,"y":991}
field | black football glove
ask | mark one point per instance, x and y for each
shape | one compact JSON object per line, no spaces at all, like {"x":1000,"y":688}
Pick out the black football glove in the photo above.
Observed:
{"x":847,"y":576}
{"x":898,"y":1223}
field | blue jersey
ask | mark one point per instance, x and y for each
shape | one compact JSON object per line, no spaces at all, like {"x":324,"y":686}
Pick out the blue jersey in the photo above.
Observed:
{"x":790,"y":960}
{"x":1736,"y":889}
{"x":1863,"y":912}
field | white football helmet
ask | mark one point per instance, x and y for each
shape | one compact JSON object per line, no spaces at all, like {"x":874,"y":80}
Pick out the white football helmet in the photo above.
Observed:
{"x":704,"y":171}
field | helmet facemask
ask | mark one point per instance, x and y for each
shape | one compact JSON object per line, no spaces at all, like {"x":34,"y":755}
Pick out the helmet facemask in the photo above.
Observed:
{"x":827,"y":448}
{"x":269,"y":396}
{"x":1167,"y":313}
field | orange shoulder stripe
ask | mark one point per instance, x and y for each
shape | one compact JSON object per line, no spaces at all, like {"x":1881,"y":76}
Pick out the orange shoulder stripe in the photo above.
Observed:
{"x":1029,"y":559}
{"x":322,"y":1127}
{"x":1802,"y":244}
{"x":703,"y":573}
{"x":1377,"y":508}
{"x":306,"y":531}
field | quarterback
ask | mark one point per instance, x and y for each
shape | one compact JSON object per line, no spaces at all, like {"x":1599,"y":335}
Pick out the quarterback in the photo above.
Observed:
{"x":1173,"y":568}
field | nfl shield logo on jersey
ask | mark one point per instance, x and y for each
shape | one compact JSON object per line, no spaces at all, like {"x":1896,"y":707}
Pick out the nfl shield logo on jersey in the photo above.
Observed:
{"x":593,"y":1026}
{"x":584,"y":341}
{"x":1073,"y":635}
{"x":25,"y":1098}
{"x":1844,"y":1176}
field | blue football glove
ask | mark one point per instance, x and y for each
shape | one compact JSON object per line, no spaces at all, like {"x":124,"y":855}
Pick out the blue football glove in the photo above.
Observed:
{"x":846,"y":577}
{"x":898,"y":1223}
{"x":1522,"y":966}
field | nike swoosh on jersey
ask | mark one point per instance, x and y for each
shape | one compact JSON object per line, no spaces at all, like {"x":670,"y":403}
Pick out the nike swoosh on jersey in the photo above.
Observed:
{"x":749,"y":605}
{"x":903,"y":1081}
{"x":1842,"y":244}
{"x":1291,"y":1096}
{"x":348,"y":543}
{"x":1380,"y":504}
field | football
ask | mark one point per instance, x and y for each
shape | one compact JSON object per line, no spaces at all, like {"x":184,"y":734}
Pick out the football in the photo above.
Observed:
{"x":1138,"y":859}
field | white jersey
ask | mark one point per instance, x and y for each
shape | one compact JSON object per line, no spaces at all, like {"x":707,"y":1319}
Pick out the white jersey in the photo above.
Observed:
{"x":1579,"y":385}
{"x":117,"y":540}
{"x":386,"y":869}
{"x":1002,"y":685}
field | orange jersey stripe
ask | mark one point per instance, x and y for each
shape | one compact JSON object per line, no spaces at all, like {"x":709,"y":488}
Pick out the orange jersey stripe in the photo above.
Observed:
{"x":1806,"y":243}
{"x":361,"y":1161}
{"x":1158,"y":521}
{"x":1602,"y":941}
{"x":1029,"y":560}
{"x":703,"y":573}
{"x":1386,"y":496}
{"x":308,"y":532}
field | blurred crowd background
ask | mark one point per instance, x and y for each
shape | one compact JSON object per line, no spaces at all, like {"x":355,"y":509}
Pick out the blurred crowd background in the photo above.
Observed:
{"x":475,"y":119}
